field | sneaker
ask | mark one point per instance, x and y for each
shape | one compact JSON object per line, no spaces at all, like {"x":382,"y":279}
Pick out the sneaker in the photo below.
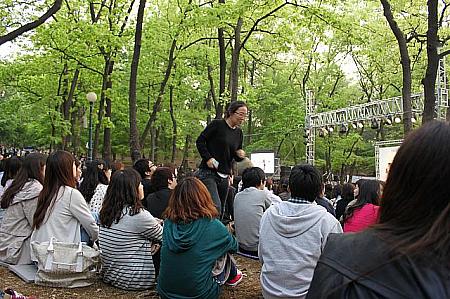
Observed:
{"x":16,"y":295}
{"x":235,"y":280}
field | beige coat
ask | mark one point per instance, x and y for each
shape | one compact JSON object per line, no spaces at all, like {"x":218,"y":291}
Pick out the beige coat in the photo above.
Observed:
{"x":15,"y":229}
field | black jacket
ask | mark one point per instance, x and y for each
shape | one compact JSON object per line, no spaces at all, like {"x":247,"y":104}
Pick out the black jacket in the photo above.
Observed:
{"x":157,"y":202}
{"x":360,"y":266}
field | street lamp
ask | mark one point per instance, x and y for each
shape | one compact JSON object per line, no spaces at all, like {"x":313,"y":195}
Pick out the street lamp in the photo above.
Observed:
{"x":91,"y":97}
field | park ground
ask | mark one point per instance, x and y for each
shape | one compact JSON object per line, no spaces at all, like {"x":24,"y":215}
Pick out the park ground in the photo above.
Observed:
{"x":248,"y":288}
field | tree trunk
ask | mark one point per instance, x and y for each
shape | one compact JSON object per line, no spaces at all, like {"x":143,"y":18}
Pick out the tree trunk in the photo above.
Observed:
{"x":135,"y":149}
{"x":248,"y":138}
{"x":174,"y":126}
{"x":108,"y":108}
{"x":184,"y":162}
{"x":429,"y":81}
{"x":162,"y":90}
{"x":65,"y":107}
{"x":222,"y":70}
{"x":234,"y":73}
{"x":98,"y":125}
{"x":212,"y":94}
{"x":406,"y":65}
{"x":68,"y":105}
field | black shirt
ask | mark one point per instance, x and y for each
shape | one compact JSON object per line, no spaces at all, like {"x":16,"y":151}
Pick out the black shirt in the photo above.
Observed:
{"x":157,"y":202}
{"x":220,"y":142}
{"x":147,"y":184}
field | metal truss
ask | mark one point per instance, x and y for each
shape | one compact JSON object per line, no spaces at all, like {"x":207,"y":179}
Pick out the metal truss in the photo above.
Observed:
{"x":372,"y":110}
{"x":367,"y":111}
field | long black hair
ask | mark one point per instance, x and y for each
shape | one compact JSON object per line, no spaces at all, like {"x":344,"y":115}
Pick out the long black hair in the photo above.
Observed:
{"x":12,"y":166}
{"x":415,"y":208}
{"x":93,"y":175}
{"x":369,"y":192}
{"x":123,"y":191}
{"x":31,"y":169}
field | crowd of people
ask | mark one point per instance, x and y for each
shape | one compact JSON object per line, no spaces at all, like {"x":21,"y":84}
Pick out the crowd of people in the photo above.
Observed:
{"x":371,"y":239}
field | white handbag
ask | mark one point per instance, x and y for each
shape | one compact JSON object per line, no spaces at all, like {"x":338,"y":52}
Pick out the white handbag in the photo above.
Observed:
{"x":63,"y":264}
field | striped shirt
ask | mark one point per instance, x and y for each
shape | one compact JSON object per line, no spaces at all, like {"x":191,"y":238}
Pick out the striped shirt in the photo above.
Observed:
{"x":125,"y":251}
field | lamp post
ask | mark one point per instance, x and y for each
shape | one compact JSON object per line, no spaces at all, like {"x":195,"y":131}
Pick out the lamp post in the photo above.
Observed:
{"x":91,"y":97}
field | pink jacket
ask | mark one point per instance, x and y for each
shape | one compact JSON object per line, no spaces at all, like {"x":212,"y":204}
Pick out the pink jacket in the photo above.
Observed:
{"x":362,"y":218}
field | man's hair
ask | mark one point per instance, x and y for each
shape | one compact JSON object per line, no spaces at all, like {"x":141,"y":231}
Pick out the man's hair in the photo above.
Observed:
{"x":253,"y":177}
{"x":305,"y":182}
{"x":141,"y":166}
{"x":161,"y":177}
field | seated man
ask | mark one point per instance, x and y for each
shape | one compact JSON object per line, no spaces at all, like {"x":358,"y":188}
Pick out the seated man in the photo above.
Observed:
{"x":292,"y":236}
{"x":249,"y":206}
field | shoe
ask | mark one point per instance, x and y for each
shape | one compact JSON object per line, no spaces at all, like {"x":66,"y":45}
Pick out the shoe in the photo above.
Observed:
{"x":15,"y":295}
{"x":235,"y":280}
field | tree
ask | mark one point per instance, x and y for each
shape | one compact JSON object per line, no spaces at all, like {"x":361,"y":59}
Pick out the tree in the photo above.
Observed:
{"x":30,"y":26}
{"x":406,"y":65}
{"x":135,"y":148}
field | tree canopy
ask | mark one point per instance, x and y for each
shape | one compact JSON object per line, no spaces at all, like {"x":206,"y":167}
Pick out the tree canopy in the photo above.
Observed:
{"x":163,"y":69}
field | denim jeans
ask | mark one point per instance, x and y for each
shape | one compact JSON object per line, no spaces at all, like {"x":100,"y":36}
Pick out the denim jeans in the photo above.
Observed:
{"x":216,"y":185}
{"x":84,"y":235}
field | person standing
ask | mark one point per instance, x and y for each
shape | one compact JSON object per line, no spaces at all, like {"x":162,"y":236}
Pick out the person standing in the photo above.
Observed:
{"x":219,"y":144}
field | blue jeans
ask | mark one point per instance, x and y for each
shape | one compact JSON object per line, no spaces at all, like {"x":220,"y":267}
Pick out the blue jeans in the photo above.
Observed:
{"x":216,"y":185}
{"x":84,"y":235}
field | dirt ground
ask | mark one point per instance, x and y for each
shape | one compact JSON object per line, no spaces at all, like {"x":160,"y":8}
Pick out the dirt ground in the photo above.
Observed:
{"x":248,"y":288}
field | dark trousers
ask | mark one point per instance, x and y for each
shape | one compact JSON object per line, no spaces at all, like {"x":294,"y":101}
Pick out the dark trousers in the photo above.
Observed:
{"x":216,"y":185}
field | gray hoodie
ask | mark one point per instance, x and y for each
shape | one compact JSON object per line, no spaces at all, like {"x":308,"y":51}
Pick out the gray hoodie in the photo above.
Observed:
{"x":292,"y":237}
{"x":15,"y":229}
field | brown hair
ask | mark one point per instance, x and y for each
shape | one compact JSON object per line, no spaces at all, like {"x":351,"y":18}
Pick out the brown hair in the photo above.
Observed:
{"x":58,"y":173}
{"x":190,"y":201}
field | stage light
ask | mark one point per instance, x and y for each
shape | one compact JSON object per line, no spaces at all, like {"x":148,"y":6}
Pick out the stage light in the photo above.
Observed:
{"x":388,"y":120}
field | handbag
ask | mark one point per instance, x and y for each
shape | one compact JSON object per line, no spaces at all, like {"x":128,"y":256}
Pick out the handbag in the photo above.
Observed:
{"x":65,"y":265}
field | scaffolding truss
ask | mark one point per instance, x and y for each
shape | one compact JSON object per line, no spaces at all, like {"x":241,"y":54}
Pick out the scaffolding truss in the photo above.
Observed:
{"x":377,"y":110}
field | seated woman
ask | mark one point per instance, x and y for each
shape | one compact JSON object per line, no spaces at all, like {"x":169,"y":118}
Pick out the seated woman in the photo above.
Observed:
{"x":405,"y":255}
{"x":194,"y":239}
{"x":364,"y":211}
{"x":61,"y":209}
{"x":127,"y":232}
{"x":94,"y":183}
{"x":19,"y":202}
{"x":347,"y":196}
{"x":163,"y":182}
